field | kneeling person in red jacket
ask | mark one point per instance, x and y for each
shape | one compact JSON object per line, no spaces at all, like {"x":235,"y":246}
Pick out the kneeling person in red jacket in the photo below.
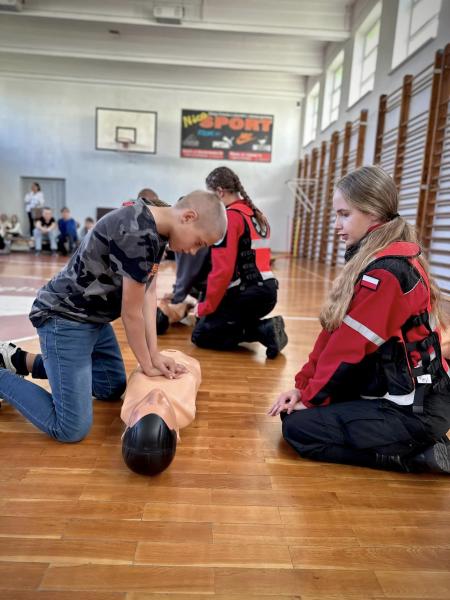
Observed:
{"x":241,"y":288}
{"x":375,"y":391}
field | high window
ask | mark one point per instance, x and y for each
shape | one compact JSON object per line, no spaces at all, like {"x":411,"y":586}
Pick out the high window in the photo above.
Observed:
{"x":333,"y":86}
{"x":417,"y":22}
{"x":365,"y":53}
{"x":312,"y":114}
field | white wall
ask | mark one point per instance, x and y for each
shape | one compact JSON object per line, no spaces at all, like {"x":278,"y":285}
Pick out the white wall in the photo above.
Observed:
{"x":47,"y":129}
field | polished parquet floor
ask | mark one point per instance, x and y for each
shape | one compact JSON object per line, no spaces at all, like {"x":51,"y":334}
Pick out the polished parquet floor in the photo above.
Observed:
{"x":237,"y":515}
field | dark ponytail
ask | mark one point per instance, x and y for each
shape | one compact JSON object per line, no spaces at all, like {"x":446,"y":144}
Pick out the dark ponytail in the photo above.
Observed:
{"x":225,"y":178}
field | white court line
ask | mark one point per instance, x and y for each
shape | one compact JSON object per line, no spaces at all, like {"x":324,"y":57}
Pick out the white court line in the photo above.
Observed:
{"x":299,"y":279}
{"x":23,"y":339}
{"x":23,"y":277}
{"x":300,"y":318}
{"x":42,"y":263}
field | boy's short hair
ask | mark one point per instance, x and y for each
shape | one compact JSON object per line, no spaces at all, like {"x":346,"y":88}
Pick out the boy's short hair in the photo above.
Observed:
{"x":211,"y":211}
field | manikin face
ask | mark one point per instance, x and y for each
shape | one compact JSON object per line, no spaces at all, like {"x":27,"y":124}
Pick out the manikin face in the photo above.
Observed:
{"x":351,"y":224}
{"x":188,"y":237}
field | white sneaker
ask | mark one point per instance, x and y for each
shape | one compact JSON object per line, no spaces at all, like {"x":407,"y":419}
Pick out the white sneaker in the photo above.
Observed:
{"x":7,"y":350}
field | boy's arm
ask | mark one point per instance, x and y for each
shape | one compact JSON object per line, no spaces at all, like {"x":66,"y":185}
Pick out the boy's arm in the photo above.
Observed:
{"x":165,"y":365}
{"x":149,"y":312}
{"x":133,"y":322}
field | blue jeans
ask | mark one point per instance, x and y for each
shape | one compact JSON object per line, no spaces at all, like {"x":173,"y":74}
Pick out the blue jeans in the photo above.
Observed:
{"x":39,"y":236}
{"x":80,"y":360}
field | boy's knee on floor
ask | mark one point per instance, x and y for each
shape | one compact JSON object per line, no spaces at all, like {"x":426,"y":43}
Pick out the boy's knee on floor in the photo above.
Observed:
{"x":111,"y":391}
{"x":73,"y":435}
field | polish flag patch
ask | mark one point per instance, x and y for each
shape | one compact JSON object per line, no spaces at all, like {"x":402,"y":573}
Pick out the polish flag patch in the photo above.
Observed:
{"x":370,"y":282}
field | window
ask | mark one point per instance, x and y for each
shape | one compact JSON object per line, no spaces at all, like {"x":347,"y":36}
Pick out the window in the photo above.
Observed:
{"x":417,"y":22}
{"x":333,"y":85}
{"x":365,"y":53}
{"x":312,"y":113}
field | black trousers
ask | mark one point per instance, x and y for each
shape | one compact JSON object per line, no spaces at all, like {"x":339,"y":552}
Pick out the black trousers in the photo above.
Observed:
{"x":30,"y":222}
{"x":62,"y":239}
{"x":237,"y":316}
{"x":354,"y":432}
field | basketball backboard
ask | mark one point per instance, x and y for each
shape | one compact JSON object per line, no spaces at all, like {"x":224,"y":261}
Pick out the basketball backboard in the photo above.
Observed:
{"x":125,"y":130}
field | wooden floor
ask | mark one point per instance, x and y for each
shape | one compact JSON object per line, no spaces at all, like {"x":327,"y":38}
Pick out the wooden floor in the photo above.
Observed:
{"x":238,"y":515}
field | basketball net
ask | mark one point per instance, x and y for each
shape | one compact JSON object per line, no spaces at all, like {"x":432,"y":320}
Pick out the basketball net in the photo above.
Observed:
{"x":297,"y":188}
{"x":125,"y":143}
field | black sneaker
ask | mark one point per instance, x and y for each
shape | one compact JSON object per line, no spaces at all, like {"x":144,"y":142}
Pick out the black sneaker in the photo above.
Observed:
{"x":7,"y":350}
{"x":434,"y":459}
{"x":272,"y":335}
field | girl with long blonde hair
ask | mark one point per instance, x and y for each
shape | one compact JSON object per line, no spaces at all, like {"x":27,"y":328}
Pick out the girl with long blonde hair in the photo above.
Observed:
{"x":376,"y":389}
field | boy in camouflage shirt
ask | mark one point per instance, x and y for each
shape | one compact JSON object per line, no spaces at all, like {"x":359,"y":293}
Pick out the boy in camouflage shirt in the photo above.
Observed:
{"x":111,"y":275}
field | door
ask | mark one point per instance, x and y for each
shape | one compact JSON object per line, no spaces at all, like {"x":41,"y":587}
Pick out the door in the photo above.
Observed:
{"x":54,"y":191}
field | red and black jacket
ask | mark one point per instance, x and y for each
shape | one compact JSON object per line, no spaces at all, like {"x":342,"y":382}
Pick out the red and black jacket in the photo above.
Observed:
{"x":241,"y":259}
{"x":386,"y":346}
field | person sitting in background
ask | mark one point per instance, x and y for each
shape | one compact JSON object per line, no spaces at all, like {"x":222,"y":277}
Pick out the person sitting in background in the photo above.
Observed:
{"x":2,"y":240}
{"x":4,"y":224}
{"x":45,"y":227}
{"x":34,"y":201}
{"x":88,"y":225}
{"x":67,"y":232}
{"x":14,"y":229}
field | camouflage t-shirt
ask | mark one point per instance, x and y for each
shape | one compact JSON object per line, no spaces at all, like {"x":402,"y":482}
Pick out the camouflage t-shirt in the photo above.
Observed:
{"x":124,"y":243}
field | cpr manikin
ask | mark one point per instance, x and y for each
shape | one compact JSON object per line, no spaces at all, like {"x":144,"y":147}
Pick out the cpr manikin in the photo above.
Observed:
{"x":154,"y":410}
{"x":167,"y":313}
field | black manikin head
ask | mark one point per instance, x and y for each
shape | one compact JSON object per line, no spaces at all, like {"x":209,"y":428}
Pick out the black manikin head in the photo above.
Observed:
{"x":149,"y":446}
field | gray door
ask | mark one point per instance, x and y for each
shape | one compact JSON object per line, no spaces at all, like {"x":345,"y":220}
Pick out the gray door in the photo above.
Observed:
{"x":54,"y":191}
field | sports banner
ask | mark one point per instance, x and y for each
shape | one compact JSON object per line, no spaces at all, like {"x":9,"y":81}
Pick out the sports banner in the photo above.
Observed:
{"x":226,"y":135}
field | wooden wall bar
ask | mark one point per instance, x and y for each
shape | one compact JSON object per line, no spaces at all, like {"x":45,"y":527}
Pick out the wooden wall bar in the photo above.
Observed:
{"x":434,"y":213}
{"x":318,"y":199}
{"x":412,"y":143}
{"x":295,"y":233}
{"x":310,"y":191}
{"x":423,"y":206}
{"x":327,"y":212}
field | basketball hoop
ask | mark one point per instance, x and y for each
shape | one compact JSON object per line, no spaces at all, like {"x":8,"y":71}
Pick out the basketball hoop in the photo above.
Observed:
{"x":125,"y":142}
{"x":297,"y":188}
{"x":126,"y":137}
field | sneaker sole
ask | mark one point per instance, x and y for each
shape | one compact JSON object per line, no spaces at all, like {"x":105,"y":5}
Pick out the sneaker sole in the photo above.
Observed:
{"x":281,"y":338}
{"x":6,"y":354}
{"x":441,"y":457}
